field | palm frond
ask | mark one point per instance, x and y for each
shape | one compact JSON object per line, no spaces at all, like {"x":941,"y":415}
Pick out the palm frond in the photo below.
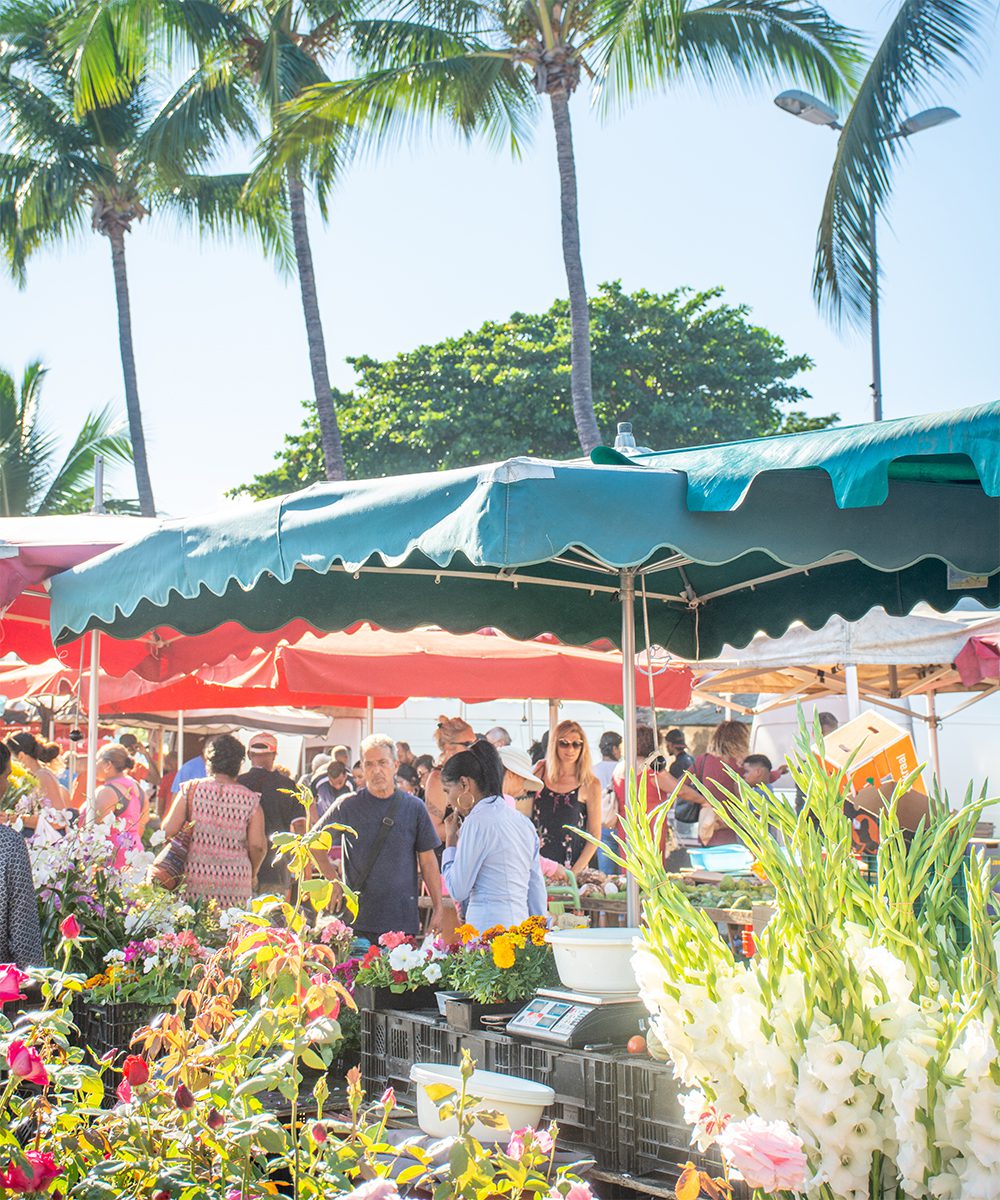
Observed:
{"x":222,"y":205}
{"x":929,"y":41}
{"x":101,"y":433}
{"x":641,"y":44}
{"x":212,"y":104}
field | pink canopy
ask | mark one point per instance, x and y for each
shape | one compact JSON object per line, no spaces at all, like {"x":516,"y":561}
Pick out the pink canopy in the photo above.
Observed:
{"x":978,"y":662}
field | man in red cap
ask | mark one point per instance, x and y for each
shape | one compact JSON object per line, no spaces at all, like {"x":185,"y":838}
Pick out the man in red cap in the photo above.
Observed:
{"x":281,"y":809}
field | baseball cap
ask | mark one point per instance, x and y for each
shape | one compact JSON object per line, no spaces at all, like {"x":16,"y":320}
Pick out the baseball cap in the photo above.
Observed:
{"x":519,"y":764}
{"x":263,"y":743}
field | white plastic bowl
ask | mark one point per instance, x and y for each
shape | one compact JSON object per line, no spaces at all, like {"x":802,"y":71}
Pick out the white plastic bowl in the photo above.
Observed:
{"x":595,"y":961}
{"x":520,"y":1100}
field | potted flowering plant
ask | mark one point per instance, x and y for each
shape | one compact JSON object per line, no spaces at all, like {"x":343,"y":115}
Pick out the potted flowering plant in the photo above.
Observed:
{"x":856,"y":1056}
{"x":498,"y":969}
{"x":401,"y":973}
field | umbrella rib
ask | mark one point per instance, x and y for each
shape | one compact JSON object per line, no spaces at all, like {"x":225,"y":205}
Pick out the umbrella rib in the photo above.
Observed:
{"x":499,"y":577}
{"x":832,"y":561}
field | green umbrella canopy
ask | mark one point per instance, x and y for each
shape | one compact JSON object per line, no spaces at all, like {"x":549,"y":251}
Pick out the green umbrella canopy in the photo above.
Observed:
{"x":727,"y":541}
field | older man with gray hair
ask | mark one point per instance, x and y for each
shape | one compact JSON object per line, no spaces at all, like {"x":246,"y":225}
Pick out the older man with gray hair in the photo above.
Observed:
{"x":499,"y":737}
{"x":392,"y":834}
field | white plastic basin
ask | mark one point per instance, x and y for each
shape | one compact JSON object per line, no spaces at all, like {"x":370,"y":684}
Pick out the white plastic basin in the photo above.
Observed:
{"x":520,"y":1100}
{"x":595,"y":961}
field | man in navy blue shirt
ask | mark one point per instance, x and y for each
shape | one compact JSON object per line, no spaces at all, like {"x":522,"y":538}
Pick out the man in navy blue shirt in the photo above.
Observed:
{"x":386,"y":869}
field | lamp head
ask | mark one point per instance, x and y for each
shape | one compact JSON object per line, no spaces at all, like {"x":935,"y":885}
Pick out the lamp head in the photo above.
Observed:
{"x":927,"y":120}
{"x":808,"y":108}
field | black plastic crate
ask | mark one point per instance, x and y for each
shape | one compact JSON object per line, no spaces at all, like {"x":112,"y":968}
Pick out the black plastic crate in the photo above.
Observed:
{"x":585,"y":1107}
{"x":490,"y":1051}
{"x":391,"y":1042}
{"x":107,"y":1027}
{"x":654,"y":1138}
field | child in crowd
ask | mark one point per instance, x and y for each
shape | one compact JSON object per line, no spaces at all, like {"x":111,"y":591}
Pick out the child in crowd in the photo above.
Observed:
{"x":757,"y":771}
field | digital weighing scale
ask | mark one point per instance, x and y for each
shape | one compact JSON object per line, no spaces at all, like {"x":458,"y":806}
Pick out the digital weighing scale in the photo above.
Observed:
{"x":576,"y":1020}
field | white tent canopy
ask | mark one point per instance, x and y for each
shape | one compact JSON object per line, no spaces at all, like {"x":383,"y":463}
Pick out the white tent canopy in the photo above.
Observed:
{"x":296,"y":721}
{"x":879,"y":660}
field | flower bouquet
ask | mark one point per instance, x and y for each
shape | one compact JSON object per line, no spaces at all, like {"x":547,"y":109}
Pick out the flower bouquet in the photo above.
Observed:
{"x":401,"y":973}
{"x":22,"y":797}
{"x":856,"y":1056}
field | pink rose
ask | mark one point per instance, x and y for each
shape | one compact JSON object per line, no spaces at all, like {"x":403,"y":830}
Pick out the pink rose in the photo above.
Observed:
{"x":26,"y":1063}
{"x":766,"y":1153}
{"x":577,"y":1191}
{"x":124,"y":1092}
{"x":35,"y":1177}
{"x":11,"y":982}
{"x":388,"y":1098}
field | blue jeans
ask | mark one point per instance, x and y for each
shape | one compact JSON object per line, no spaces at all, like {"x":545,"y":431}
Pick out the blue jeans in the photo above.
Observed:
{"x":604,"y":863}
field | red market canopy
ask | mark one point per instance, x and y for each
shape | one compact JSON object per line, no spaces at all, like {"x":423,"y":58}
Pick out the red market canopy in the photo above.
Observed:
{"x":344,"y":669}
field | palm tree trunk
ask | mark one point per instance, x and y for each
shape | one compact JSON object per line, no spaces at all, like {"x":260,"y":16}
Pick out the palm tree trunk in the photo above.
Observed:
{"x":581,"y":385}
{"x":147,"y":506}
{"x":333,"y":451}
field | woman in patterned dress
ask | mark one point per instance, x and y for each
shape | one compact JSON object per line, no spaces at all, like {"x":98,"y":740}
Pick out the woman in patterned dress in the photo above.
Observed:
{"x":228,"y":844}
{"x":570,"y":796}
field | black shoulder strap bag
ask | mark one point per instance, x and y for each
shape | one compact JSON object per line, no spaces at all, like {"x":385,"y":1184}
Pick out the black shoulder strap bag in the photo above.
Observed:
{"x":688,"y":811}
{"x":383,"y":832}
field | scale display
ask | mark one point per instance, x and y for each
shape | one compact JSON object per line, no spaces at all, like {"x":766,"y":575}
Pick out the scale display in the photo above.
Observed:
{"x":575,"y":1020}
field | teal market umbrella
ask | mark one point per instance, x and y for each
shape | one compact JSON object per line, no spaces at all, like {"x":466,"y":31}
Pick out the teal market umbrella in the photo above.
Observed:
{"x":706,"y":546}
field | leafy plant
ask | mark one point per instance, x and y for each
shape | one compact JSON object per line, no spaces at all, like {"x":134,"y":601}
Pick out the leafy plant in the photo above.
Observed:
{"x":504,"y":964}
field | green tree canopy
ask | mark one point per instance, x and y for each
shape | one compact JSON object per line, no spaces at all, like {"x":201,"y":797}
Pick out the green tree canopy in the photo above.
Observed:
{"x":686,"y":368}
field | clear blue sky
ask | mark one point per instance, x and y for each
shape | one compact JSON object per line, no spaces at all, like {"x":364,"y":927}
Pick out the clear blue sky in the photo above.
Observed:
{"x":685,"y":188}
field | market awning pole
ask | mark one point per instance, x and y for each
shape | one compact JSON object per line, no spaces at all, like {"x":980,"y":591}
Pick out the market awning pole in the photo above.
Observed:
{"x":853,"y":692}
{"x":628,"y":704}
{"x":93,"y":722}
{"x":370,"y":717}
{"x":179,"y":748}
{"x":94,"y":699}
{"x":553,"y":719}
{"x":932,"y":735}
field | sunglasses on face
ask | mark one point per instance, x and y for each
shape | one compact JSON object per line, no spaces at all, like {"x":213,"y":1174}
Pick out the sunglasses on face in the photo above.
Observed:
{"x":565,"y":744}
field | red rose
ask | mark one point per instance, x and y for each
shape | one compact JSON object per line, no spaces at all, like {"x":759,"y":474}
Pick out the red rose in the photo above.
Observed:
{"x":215,"y":1119}
{"x":183,"y":1098}
{"x":11,"y":982}
{"x":135,"y":1070}
{"x":70,"y":928}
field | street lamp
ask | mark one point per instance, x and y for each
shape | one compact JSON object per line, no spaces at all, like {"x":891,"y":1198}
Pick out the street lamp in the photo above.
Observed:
{"x":816,"y":112}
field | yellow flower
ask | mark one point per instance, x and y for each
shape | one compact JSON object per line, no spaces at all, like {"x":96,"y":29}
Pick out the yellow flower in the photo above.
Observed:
{"x":538,"y":937}
{"x":96,"y":981}
{"x":503,"y":952}
{"x":517,"y":940}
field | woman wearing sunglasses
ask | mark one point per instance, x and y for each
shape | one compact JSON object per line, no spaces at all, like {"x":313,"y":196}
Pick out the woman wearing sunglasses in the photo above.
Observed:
{"x":570,"y":796}
{"x":453,"y":735}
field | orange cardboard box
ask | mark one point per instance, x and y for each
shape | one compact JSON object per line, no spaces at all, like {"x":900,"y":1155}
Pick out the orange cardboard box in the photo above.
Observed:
{"x":886,"y":753}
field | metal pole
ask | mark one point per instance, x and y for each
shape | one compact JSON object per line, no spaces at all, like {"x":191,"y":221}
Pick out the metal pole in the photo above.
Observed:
{"x":853,"y":692}
{"x":180,"y":738}
{"x":94,"y":698}
{"x":553,"y":719}
{"x":629,"y":704}
{"x":873,"y":305}
{"x":370,"y":717}
{"x":932,"y":737}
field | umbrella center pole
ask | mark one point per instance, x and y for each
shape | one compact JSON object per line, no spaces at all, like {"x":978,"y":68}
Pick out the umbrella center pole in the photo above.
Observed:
{"x":627,"y":595}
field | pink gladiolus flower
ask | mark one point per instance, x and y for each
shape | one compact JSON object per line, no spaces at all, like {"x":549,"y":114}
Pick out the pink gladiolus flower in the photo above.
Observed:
{"x":26,"y":1063}
{"x":35,"y":1177}
{"x":766,"y":1153}
{"x":11,"y":982}
{"x":69,"y":927}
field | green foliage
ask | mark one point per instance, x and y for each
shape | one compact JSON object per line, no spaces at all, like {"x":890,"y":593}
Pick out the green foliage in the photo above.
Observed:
{"x":33,"y":482}
{"x":685,"y":367}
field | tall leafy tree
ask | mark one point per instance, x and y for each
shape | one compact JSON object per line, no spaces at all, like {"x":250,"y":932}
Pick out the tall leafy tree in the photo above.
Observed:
{"x":928,"y":42}
{"x":686,"y":368}
{"x":109,"y":165}
{"x":33,"y":480}
{"x":487,"y":63}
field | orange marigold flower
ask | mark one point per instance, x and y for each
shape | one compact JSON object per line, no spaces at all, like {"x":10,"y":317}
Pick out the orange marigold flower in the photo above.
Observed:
{"x":466,"y":933}
{"x":503,"y":952}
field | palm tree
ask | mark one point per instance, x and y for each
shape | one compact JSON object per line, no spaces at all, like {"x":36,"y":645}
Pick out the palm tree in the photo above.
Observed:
{"x":928,"y":41}
{"x":111,"y":165}
{"x":485,"y":62}
{"x":32,"y":480}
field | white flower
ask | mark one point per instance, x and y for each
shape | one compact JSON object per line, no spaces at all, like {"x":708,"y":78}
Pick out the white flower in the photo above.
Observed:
{"x":150,"y":963}
{"x":185,"y":913}
{"x":406,"y":958}
{"x":432,"y":972}
{"x":157,"y":837}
